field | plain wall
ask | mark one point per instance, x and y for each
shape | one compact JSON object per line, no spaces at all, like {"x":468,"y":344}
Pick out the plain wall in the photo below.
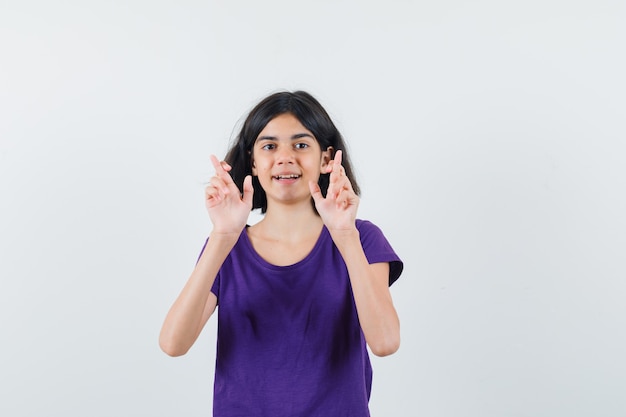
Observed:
{"x":488,"y":137}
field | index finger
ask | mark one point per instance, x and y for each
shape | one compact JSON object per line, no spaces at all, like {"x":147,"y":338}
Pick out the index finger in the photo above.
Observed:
{"x":337,"y":162}
{"x":216,"y":164}
{"x":221,"y":170}
{"x":220,"y":166}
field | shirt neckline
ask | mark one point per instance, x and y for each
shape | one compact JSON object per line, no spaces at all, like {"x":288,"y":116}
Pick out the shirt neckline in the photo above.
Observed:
{"x":307,"y":259}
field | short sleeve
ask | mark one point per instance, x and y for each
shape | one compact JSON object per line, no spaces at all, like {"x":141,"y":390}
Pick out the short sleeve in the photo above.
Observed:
{"x":377,"y":249}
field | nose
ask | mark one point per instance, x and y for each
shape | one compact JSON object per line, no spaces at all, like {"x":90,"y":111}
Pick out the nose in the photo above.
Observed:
{"x":285,"y":155}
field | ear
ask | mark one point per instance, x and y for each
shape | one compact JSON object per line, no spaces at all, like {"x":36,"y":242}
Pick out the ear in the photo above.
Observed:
{"x":327,"y":156}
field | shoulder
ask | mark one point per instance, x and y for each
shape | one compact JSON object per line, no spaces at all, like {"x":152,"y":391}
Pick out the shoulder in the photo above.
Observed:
{"x":367,"y":229}
{"x":362,"y":224}
{"x":370,"y":233}
{"x":378,"y":249}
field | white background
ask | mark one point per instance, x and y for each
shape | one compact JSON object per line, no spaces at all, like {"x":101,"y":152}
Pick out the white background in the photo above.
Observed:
{"x":488,"y":137}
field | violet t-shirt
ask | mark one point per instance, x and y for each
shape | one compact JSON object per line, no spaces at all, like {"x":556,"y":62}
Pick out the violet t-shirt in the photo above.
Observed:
{"x":289,"y":341}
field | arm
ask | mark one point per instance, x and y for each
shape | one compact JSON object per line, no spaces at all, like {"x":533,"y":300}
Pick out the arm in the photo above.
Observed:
{"x":196,"y":303}
{"x":228,"y":211}
{"x":370,"y":283}
{"x":370,"y":286}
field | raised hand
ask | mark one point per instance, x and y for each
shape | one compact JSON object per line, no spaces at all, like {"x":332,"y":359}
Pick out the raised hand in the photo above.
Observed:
{"x":338,"y":209}
{"x":227,"y":208}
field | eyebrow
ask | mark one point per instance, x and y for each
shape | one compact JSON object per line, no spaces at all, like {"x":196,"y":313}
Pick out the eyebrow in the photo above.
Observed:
{"x":294,"y":137}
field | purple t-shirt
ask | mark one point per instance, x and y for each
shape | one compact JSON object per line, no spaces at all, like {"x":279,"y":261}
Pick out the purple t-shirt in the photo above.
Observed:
{"x":289,"y":341}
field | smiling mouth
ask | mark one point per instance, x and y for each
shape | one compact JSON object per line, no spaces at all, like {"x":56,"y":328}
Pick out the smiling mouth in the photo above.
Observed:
{"x":286,"y":177}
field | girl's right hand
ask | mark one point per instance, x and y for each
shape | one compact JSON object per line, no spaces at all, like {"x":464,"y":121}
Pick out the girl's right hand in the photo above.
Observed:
{"x":227,"y":208}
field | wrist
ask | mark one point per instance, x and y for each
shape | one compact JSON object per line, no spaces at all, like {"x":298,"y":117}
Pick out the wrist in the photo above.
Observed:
{"x":345,"y":236}
{"x":224,"y":237}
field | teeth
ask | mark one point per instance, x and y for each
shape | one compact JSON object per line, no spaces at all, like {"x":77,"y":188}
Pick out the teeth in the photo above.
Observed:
{"x":285,"y":177}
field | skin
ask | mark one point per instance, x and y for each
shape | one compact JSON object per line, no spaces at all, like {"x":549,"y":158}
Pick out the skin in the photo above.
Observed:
{"x":287,"y":160}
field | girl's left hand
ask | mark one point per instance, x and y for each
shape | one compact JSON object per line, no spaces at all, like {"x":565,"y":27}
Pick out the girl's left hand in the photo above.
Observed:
{"x":338,"y":209}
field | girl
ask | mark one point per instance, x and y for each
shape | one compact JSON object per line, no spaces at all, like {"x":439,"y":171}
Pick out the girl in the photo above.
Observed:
{"x":301,"y":293}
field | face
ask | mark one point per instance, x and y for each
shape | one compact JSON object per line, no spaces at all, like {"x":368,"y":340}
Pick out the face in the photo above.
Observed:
{"x":285,"y":157}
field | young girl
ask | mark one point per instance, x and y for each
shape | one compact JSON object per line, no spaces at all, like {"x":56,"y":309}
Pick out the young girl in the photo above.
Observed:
{"x":302,"y":292}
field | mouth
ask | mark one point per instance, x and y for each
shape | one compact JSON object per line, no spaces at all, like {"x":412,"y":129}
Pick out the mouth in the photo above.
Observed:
{"x":286,"y":177}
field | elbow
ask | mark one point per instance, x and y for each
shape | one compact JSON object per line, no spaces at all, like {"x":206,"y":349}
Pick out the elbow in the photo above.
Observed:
{"x":385,"y":347}
{"x":173,"y":352}
{"x":171,"y":348}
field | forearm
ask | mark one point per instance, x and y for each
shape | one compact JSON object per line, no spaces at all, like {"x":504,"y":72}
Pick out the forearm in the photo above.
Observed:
{"x":370,"y":286}
{"x":190,"y":311}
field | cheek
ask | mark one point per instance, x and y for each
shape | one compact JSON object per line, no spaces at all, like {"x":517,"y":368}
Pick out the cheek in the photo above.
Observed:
{"x":261,"y":167}
{"x":253,"y":165}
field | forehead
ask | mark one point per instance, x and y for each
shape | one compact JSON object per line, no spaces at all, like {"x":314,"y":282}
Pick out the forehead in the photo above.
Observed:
{"x":285,"y":124}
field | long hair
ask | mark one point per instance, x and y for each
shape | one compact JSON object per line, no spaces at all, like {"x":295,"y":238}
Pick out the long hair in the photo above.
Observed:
{"x":312,"y":116}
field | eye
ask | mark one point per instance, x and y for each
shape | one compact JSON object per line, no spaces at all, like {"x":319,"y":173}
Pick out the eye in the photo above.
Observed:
{"x":268,"y":147}
{"x":301,"y":145}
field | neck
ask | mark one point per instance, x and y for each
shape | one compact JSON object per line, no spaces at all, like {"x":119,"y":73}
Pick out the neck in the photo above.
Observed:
{"x":290,"y":222}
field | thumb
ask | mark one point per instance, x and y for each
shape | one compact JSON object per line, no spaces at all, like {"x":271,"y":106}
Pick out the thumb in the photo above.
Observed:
{"x":248,"y":190}
{"x":316,"y":192}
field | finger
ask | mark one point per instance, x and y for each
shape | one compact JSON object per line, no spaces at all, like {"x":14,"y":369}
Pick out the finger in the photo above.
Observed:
{"x":337,"y":161}
{"x":343,"y":189}
{"x":343,"y":200}
{"x":219,"y":168}
{"x":346,"y":184}
{"x":337,"y":169}
{"x":316,"y":193}
{"x":226,"y":166}
{"x":212,"y":194}
{"x":218,"y":183}
{"x":221,"y":171}
{"x":248,"y":190}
